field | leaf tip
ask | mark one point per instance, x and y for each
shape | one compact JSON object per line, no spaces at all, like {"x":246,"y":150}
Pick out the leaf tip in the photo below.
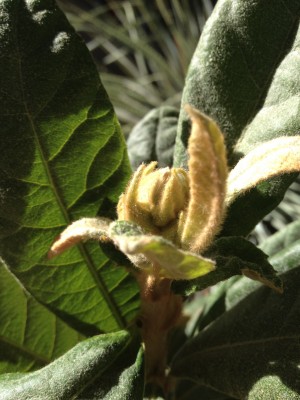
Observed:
{"x":273,"y":282}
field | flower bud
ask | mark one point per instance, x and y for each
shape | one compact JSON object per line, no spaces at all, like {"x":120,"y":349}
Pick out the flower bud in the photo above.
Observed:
{"x":155,"y":197}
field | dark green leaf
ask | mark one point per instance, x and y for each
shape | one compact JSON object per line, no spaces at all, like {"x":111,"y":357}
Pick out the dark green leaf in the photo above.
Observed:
{"x":123,"y":380}
{"x":153,"y":138}
{"x":254,"y":205}
{"x":226,"y":295}
{"x":245,"y":71}
{"x":215,"y":303}
{"x":243,"y":46}
{"x":62,"y":157}
{"x":187,"y":390}
{"x":233,"y":256}
{"x":285,"y":260}
{"x":30,"y":335}
{"x":82,"y":370}
{"x":256,"y":340}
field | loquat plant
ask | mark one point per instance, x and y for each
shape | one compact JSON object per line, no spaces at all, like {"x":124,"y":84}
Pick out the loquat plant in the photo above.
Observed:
{"x":102,"y":266}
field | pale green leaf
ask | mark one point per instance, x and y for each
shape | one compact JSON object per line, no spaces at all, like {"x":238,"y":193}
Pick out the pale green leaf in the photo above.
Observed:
{"x":281,"y":239}
{"x":173,"y":262}
{"x":276,"y":157}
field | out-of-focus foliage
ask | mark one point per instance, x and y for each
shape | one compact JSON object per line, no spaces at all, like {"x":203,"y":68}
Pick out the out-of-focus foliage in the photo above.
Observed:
{"x":142,"y":52}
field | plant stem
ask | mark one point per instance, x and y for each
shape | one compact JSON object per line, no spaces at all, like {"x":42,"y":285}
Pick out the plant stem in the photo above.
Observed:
{"x":160,"y":312}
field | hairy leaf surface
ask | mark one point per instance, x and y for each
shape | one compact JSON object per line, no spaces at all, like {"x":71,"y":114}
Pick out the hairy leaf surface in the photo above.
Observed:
{"x":252,"y":320}
{"x":283,"y":249}
{"x":244,"y":74}
{"x":153,"y":138}
{"x":243,"y":46}
{"x":257,"y":338}
{"x":233,"y":256}
{"x":81,"y":373}
{"x":62,"y":157}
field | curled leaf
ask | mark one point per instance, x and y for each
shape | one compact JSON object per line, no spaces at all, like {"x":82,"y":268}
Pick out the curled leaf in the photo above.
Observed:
{"x":276,"y":157}
{"x":81,"y":230}
{"x":208,"y":173}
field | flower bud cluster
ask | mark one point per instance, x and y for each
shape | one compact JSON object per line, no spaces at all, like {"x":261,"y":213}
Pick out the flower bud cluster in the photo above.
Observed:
{"x":155,"y":197}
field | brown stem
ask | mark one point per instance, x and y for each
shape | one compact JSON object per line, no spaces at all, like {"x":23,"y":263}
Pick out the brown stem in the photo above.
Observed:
{"x":160,"y":311}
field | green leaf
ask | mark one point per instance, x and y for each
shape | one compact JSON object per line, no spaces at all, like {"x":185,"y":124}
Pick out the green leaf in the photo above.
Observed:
{"x":281,"y":239}
{"x":272,"y":387}
{"x":227,"y":294}
{"x":242,"y":81}
{"x":153,"y":138}
{"x":283,"y":261}
{"x":173,"y":262}
{"x":187,"y":390}
{"x":233,"y":256}
{"x":250,"y":346}
{"x":123,"y":380}
{"x":62,"y":157}
{"x":215,"y":303}
{"x":252,"y":207}
{"x":270,"y":159}
{"x":30,"y":335}
{"x":81,"y":373}
{"x":234,"y":65}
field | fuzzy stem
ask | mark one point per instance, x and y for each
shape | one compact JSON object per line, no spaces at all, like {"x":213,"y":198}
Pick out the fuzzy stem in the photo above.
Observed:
{"x":160,"y":312}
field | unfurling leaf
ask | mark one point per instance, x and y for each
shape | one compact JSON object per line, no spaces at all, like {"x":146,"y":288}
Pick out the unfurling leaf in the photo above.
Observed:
{"x":208,"y":174}
{"x":276,"y":157}
{"x":174,"y":263}
{"x":81,"y":230}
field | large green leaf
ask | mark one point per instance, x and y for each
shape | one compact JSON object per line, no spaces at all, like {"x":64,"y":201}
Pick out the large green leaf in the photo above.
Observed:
{"x":253,"y":347}
{"x":62,"y":157}
{"x":281,"y":239}
{"x":258,"y":338}
{"x":284,"y":249}
{"x":153,"y":138}
{"x":30,"y":335}
{"x":243,"y":73}
{"x":87,"y":371}
{"x":239,"y":52}
{"x":233,"y":256}
{"x":283,"y":261}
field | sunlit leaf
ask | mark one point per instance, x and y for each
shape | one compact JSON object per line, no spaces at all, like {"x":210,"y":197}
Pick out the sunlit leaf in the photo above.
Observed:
{"x":30,"y":335}
{"x":62,"y":157}
{"x":89,"y":370}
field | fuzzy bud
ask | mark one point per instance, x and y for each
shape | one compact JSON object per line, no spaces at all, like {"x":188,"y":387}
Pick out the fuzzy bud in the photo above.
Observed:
{"x":155,"y":197}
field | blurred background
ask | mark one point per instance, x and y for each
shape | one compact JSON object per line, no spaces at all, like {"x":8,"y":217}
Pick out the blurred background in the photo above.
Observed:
{"x":142,"y":50}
